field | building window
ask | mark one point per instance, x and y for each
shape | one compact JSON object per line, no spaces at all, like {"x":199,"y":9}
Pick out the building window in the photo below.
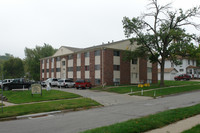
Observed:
{"x":97,"y":81}
{"x":190,"y":71}
{"x":78,"y":68}
{"x":97,"y":53}
{"x":116,"y":53}
{"x":42,"y":70}
{"x":78,"y":55}
{"x":188,"y":62}
{"x":58,"y":59}
{"x":87,"y":68}
{"x":116,"y":67}
{"x":52,"y":70}
{"x":63,"y":63}
{"x":134,"y":61}
{"x":57,"y":69}
{"x":181,"y":70}
{"x":70,"y":69}
{"x":47,"y":70}
{"x":47,"y":60}
{"x":52,"y":59}
{"x":87,"y":54}
{"x":97,"y":67}
{"x":149,"y":69}
{"x":42,"y":61}
{"x":70,"y":57}
{"x":192,"y":62}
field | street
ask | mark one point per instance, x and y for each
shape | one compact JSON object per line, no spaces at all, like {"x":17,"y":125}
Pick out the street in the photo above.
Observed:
{"x":74,"y":122}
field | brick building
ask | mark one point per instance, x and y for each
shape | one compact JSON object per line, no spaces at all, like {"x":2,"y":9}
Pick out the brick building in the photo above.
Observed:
{"x":100,"y":64}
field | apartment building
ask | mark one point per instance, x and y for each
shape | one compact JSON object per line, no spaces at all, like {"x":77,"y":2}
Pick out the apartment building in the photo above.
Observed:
{"x":102,"y":64}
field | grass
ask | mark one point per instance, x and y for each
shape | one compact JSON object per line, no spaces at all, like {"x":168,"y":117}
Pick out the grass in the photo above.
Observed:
{"x":21,"y":96}
{"x":195,"y":129}
{"x":47,"y":106}
{"x":134,"y":88}
{"x":149,"y":122}
{"x":168,"y":91}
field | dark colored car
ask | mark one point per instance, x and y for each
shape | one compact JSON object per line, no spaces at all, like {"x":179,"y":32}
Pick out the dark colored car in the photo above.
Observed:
{"x":182,"y":77}
{"x":17,"y":84}
{"x":83,"y":84}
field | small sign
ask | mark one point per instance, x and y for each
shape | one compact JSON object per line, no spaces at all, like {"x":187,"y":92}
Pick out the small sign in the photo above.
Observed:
{"x":36,"y":89}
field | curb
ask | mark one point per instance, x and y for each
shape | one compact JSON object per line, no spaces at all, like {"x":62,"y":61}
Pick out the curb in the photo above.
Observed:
{"x":47,"y":113}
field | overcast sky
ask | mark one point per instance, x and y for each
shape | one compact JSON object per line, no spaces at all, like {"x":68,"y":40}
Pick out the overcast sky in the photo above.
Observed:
{"x":75,"y":23}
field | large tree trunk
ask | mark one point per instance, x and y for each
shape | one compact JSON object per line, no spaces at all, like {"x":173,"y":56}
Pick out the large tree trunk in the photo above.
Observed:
{"x":162,"y":68}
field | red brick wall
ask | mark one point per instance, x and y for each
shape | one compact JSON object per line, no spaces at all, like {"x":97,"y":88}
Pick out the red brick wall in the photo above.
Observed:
{"x":45,"y":69}
{"x":108,"y":66}
{"x":142,"y":69}
{"x":101,"y":66}
{"x":54,"y":68}
{"x":75,"y":65}
{"x":40,"y":70}
{"x":124,"y":70}
{"x":92,"y":68}
{"x":66,"y":64}
{"x":155,"y":73}
{"x":82,"y":66}
{"x":50,"y":68}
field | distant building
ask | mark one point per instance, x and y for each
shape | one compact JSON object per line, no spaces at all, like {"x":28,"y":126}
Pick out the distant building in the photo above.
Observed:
{"x":187,"y":66}
{"x":102,"y":64}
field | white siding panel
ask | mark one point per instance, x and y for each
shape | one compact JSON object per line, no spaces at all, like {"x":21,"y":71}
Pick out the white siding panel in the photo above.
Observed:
{"x":70,"y":63}
{"x":97,"y":74}
{"x":87,"y":74}
{"x":87,"y":61}
{"x":78,"y":75}
{"x":116,"y":60}
{"x":97,"y":60}
{"x":70,"y":74}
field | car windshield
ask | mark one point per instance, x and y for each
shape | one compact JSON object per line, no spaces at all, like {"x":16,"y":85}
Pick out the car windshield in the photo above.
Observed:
{"x":60,"y":80}
{"x":80,"y":81}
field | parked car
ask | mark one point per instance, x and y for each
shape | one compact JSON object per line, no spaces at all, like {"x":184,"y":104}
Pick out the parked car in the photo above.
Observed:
{"x":66,"y":83}
{"x":18,"y":83}
{"x":182,"y":77}
{"x":82,"y":84}
{"x":43,"y":83}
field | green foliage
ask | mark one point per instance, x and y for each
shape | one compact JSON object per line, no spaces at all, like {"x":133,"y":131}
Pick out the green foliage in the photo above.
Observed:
{"x":165,"y":37}
{"x":13,"y":68}
{"x":47,"y":106}
{"x":4,"y":58}
{"x":25,"y":96}
{"x":195,"y":129}
{"x":32,"y":59}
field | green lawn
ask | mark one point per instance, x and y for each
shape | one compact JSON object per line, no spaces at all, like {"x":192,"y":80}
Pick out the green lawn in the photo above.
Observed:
{"x":149,"y":122}
{"x":128,"y":89}
{"x":168,"y":91}
{"x":47,"y":106}
{"x":21,"y":96}
{"x":195,"y":129}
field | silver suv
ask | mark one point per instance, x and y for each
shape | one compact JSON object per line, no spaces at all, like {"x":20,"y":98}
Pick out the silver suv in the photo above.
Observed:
{"x":66,"y":83}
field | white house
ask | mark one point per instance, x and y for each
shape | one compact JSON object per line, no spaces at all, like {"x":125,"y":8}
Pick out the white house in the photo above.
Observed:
{"x":187,"y":66}
{"x":169,"y":73}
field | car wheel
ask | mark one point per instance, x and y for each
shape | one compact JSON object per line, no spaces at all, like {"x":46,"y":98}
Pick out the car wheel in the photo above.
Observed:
{"x":77,"y":87}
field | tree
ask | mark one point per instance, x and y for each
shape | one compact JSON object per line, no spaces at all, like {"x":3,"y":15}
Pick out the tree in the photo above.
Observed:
{"x":32,"y":59}
{"x":163,"y":35}
{"x":13,"y":68}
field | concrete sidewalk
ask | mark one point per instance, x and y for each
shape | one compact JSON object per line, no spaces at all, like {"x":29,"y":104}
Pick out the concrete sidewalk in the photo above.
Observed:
{"x":179,"y":126}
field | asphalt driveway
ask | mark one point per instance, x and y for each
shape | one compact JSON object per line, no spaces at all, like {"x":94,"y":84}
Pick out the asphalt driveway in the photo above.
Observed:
{"x":106,"y":98}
